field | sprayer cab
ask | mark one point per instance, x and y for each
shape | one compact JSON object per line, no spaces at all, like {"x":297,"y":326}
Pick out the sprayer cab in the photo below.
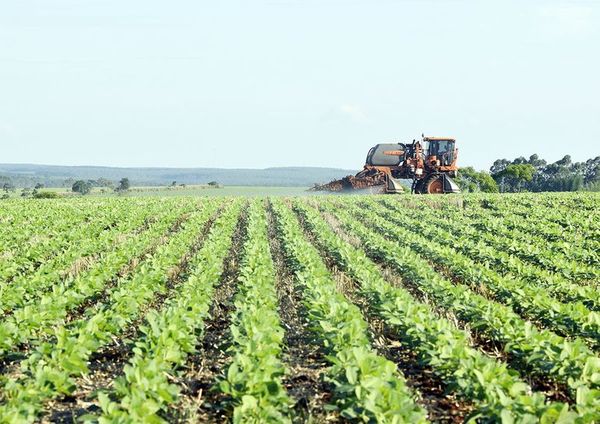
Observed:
{"x":441,"y":154}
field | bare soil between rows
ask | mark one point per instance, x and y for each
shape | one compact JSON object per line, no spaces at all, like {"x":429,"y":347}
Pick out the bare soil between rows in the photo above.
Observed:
{"x":199,"y":401}
{"x":108,"y":363}
{"x":554,"y":391}
{"x":441,"y":405}
{"x":303,"y":355}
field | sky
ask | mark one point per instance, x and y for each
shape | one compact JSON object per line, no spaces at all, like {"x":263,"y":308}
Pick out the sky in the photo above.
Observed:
{"x":263,"y":83}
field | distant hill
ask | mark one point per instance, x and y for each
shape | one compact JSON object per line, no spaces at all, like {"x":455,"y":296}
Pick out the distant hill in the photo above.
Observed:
{"x":26,"y":175}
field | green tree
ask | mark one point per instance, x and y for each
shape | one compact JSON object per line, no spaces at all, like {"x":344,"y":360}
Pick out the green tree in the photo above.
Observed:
{"x":562,"y":175}
{"x":104,"y":182}
{"x":81,"y":187}
{"x":123,"y":185}
{"x":470,"y":180}
{"x":595,"y":186}
{"x":499,"y":165}
{"x":513,"y":176}
{"x":536,"y":162}
{"x":591,"y":170}
{"x":8,"y":186}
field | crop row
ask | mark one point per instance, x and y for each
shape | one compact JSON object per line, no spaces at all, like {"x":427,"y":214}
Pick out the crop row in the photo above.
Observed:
{"x":368,"y":387}
{"x":170,"y":335}
{"x":60,"y":246}
{"x":38,"y":316}
{"x":470,"y":244}
{"x":17,"y":234}
{"x":539,"y":352}
{"x":572,"y":248}
{"x":51,"y":369}
{"x":253,"y":379}
{"x":581,"y":217}
{"x":501,"y":316}
{"x":27,"y":287}
{"x":498,"y":393}
{"x":523,"y":247}
{"x":567,"y":318}
{"x":25,"y":226}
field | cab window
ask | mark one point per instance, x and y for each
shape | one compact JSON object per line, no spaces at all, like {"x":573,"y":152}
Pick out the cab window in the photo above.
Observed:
{"x":444,"y":150}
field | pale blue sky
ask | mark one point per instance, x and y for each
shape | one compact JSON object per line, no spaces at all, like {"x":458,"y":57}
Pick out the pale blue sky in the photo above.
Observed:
{"x":283,"y":82}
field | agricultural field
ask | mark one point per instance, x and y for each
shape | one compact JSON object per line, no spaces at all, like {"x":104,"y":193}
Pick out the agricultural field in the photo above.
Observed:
{"x":391,"y":309}
{"x":189,"y":190}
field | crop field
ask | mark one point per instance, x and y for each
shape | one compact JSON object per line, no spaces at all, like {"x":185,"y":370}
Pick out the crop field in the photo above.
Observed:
{"x":391,"y":309}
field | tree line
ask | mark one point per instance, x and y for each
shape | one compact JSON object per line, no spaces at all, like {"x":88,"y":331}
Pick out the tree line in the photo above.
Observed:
{"x":85,"y":186}
{"x":533,"y":174}
{"x":82,"y":187}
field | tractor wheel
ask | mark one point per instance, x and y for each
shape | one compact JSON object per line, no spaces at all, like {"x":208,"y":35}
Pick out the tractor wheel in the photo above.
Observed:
{"x":432,"y":184}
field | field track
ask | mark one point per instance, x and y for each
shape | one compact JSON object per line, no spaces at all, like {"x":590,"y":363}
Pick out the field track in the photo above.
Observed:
{"x":391,"y":309}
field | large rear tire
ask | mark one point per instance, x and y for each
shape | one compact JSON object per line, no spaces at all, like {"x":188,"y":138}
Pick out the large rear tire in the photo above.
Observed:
{"x":432,"y":184}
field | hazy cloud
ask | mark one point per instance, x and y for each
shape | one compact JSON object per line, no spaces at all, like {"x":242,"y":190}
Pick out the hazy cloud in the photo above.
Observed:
{"x":346,"y":112}
{"x":354,"y":112}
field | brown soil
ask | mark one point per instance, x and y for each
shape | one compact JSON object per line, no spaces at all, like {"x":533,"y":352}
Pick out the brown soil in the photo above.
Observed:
{"x":303,"y":356}
{"x":552,"y":390}
{"x":389,"y":274}
{"x":442,"y":406}
{"x":126,"y":270}
{"x":10,"y":363}
{"x":107,"y":363}
{"x":199,"y":401}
